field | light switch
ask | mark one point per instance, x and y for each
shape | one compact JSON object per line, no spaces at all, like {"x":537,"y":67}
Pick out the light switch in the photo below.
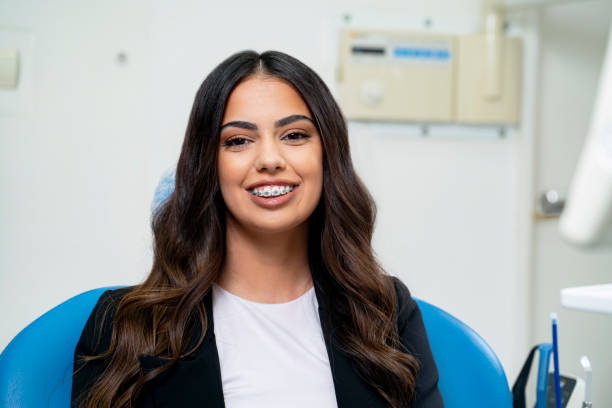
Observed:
{"x":9,"y":68}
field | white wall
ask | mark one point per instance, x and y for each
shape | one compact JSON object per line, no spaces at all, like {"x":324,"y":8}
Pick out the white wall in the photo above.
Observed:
{"x":75,"y":154}
{"x":79,"y":164}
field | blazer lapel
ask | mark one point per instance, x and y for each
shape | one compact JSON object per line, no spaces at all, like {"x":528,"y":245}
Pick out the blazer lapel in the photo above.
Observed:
{"x":351,"y":389}
{"x":197,"y":381}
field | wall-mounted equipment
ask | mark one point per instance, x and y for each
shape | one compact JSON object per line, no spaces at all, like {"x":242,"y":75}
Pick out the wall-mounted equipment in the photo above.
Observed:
{"x":394,"y":75}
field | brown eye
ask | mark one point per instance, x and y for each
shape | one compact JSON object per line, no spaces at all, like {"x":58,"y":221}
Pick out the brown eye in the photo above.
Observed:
{"x":296,"y":136}
{"x":236,"y":141}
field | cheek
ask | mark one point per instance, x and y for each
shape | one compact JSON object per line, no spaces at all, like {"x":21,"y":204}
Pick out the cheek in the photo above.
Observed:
{"x":230,"y":172}
{"x":309,"y":165}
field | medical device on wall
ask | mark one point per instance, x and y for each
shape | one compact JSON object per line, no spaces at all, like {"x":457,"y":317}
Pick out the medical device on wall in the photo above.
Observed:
{"x":587,"y":217}
{"x":403,"y":76}
{"x":587,"y":214}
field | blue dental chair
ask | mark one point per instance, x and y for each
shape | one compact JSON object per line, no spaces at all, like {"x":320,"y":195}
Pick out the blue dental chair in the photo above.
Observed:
{"x":36,"y":366}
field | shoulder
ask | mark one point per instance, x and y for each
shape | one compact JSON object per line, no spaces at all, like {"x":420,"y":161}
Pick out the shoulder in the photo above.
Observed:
{"x":414,"y":340}
{"x":403,"y":293}
{"x":95,"y":338}
{"x":94,"y":341}
{"x":111,"y":297}
{"x":406,"y":305}
{"x":410,"y":326}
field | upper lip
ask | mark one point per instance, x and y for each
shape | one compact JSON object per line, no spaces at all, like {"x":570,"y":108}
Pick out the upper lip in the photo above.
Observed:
{"x":272,"y":182}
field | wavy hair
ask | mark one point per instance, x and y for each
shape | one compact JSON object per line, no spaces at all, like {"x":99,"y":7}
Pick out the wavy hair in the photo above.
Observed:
{"x":189,"y":249}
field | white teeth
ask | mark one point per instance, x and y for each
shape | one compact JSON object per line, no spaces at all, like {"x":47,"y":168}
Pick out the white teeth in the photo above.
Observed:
{"x":271,"y":191}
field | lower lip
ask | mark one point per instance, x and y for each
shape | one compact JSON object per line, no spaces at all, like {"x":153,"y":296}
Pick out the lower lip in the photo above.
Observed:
{"x":272,"y":202}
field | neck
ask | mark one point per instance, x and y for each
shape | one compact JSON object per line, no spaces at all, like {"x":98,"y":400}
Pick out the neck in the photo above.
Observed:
{"x":266,"y":267}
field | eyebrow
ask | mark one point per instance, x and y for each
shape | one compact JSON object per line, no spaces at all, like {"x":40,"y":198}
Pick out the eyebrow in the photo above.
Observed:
{"x":279,"y":123}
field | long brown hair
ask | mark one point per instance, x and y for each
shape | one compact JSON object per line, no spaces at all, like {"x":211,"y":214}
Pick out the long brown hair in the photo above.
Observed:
{"x":189,"y":249}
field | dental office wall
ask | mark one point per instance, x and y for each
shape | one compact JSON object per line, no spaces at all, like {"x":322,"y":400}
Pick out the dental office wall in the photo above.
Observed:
{"x":100,"y":112}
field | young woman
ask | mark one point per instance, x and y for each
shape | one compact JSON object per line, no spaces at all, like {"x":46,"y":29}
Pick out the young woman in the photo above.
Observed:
{"x":264,"y":291}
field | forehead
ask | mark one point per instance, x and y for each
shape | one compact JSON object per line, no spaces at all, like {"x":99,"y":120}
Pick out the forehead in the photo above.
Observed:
{"x":261,"y":99}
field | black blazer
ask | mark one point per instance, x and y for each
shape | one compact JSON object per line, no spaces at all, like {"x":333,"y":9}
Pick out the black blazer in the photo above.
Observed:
{"x":196,"y":380}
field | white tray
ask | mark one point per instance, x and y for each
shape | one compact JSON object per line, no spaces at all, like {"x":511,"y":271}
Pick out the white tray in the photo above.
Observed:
{"x":597,"y":298}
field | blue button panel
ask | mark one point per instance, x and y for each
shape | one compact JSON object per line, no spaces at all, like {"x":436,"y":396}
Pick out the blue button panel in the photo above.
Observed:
{"x":439,"y":54}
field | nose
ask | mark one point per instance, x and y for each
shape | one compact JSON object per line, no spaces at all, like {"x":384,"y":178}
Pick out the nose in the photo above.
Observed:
{"x":269,"y":155}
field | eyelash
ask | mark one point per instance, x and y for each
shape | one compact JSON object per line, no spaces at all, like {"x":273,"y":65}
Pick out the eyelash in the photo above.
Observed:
{"x":302,"y":135}
{"x":232,"y":142}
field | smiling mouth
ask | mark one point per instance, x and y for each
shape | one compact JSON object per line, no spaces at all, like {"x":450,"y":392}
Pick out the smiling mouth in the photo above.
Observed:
{"x":273,"y":191}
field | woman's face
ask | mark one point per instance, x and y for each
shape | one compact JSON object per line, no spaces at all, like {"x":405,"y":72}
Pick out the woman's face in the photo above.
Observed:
{"x":270,"y":156}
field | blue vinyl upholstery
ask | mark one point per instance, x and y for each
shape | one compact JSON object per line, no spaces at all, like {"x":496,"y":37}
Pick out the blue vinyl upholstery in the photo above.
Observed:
{"x":471,"y":375}
{"x":36,"y":366}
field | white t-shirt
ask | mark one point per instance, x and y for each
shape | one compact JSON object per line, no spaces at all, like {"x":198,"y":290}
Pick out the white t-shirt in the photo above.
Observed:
{"x":272,"y":355}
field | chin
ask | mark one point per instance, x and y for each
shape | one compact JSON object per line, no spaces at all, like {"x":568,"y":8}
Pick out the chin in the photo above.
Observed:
{"x":272,"y":226}
{"x":275,"y":227}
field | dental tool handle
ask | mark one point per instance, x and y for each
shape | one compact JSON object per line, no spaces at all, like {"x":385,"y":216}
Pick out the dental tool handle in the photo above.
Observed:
{"x":553,"y":317}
